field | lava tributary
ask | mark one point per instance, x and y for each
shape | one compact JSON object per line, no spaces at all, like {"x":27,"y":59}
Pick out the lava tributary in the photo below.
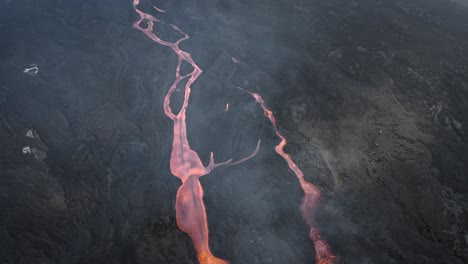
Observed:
{"x":311,"y":192}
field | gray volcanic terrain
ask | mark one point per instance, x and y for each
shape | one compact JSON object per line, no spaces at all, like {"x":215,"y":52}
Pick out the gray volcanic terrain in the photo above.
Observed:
{"x":372,"y":96}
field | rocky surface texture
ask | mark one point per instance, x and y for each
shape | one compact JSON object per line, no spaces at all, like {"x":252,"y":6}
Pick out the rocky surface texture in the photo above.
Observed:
{"x":372,"y":95}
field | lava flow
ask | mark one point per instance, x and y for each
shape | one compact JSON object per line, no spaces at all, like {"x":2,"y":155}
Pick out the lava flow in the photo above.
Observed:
{"x":187,"y":166}
{"x":311,"y":192}
{"x":185,"y":162}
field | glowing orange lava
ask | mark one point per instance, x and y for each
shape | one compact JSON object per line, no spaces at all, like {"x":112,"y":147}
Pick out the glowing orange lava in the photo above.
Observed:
{"x":311,"y":192}
{"x":185,"y":163}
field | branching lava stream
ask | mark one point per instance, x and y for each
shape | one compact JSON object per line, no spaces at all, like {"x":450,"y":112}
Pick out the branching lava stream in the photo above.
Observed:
{"x":186,"y":165}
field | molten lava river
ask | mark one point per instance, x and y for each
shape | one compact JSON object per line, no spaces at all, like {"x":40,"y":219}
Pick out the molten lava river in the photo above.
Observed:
{"x":186,"y":165}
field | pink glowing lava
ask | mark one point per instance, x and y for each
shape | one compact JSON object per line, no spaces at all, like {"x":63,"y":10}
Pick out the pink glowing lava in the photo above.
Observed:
{"x":311,"y":192}
{"x":185,"y":163}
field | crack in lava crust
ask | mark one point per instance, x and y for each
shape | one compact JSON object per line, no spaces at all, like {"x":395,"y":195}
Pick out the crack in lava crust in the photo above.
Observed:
{"x":311,"y":192}
{"x":185,"y":163}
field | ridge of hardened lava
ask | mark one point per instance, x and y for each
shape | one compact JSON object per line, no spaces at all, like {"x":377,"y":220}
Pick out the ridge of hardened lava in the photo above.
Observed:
{"x":185,"y":163}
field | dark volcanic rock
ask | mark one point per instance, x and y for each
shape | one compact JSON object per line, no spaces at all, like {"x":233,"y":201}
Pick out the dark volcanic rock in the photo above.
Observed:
{"x":372,"y":96}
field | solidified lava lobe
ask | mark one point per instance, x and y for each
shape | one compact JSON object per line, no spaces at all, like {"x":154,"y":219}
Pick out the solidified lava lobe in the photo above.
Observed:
{"x":185,"y":163}
{"x":311,"y":192}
